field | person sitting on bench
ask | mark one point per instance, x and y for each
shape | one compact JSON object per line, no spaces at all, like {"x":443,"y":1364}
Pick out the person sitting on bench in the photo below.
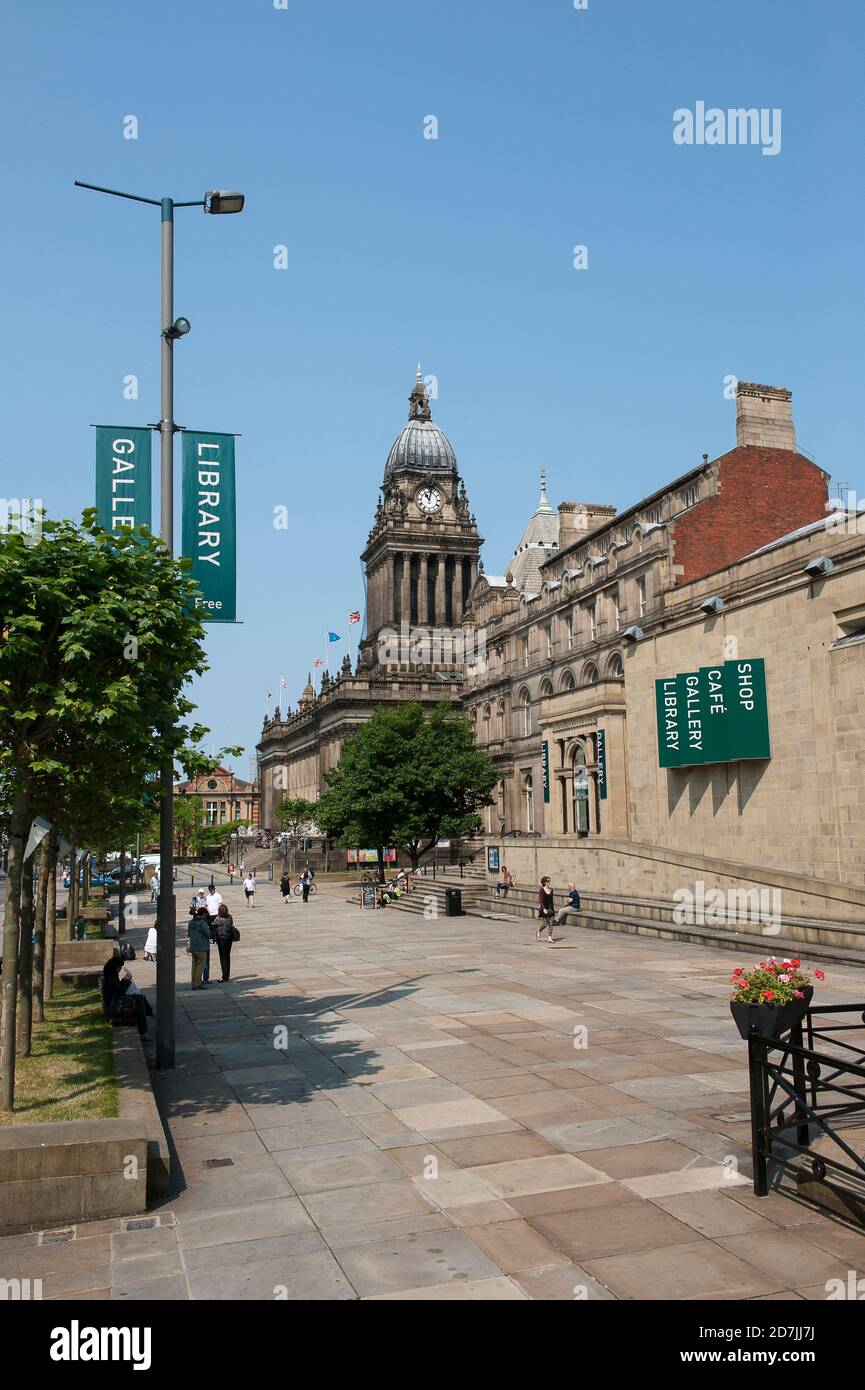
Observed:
{"x":507,"y":881}
{"x":570,"y":907}
{"x":120,"y":997}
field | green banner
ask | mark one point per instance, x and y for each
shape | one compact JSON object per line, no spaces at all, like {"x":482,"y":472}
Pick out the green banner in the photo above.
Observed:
{"x":122,"y":476}
{"x":602,"y":764}
{"x":545,"y":767}
{"x":717,"y":714}
{"x":209,"y":532}
{"x":748,"y":709}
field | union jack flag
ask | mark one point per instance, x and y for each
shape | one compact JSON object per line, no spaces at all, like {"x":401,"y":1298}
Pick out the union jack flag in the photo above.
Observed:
{"x":319,"y":661}
{"x":354,"y":616}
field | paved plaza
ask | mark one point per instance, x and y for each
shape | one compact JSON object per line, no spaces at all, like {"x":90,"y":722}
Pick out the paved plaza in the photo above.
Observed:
{"x":380,"y":1106}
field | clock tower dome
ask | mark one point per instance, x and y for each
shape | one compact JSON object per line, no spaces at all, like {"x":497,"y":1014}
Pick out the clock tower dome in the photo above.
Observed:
{"x":421,"y":558}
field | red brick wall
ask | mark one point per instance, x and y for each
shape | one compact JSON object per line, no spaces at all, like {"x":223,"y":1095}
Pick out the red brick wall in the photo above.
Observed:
{"x":763,"y":494}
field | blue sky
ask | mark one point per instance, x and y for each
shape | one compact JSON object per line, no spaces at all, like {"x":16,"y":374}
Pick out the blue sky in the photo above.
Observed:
{"x":555,"y":128}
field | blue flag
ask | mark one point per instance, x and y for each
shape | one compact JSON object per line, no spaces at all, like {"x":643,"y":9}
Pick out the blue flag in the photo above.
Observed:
{"x":334,"y":637}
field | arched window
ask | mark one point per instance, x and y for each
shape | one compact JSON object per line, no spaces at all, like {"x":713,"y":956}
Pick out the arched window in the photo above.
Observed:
{"x":567,"y":682}
{"x":581,"y":790}
{"x":528,"y":803}
{"x":615,"y":668}
{"x":525,"y":700}
{"x":546,"y":689}
{"x":591,"y":675}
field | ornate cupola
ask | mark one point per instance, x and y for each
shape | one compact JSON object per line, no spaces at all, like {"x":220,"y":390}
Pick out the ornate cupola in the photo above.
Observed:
{"x":422,"y":555}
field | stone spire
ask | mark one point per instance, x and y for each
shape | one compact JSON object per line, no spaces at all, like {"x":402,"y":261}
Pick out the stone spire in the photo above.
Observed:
{"x":308,"y":696}
{"x":543,"y":506}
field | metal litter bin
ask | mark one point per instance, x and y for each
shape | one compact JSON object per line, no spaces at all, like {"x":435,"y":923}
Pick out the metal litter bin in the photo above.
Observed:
{"x":453,"y":902}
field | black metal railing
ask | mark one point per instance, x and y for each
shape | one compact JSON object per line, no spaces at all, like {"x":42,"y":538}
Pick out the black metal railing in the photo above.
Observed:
{"x":806,"y":1084}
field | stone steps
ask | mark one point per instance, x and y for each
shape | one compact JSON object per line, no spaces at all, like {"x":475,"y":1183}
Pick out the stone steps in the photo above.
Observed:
{"x":813,"y":938}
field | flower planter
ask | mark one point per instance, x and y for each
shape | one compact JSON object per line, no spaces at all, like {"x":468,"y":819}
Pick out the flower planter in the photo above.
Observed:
{"x":771,"y":1019}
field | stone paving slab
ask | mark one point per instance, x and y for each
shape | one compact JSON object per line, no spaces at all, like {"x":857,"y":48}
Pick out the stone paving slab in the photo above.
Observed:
{"x":388,"y":1108}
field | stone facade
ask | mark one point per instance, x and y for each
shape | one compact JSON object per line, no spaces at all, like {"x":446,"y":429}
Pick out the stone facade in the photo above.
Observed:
{"x":223,"y":796}
{"x":568,"y":644}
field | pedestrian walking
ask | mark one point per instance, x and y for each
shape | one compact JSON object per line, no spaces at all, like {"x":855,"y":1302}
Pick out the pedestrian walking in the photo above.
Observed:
{"x":150,"y":944}
{"x":285,"y":887}
{"x":198,"y":946}
{"x":306,"y":883}
{"x":154,"y":886}
{"x":546,"y":909}
{"x":571,"y":907}
{"x":226,"y":934}
{"x":249,"y":888}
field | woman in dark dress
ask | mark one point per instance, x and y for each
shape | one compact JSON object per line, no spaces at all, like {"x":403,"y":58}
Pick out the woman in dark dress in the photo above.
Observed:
{"x":285,"y":887}
{"x":546,"y":909}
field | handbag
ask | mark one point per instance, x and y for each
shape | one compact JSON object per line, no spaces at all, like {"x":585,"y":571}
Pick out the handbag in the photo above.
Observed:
{"x":235,"y":933}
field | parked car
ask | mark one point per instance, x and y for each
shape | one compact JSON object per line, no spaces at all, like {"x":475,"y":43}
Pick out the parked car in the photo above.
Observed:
{"x":97,"y":880}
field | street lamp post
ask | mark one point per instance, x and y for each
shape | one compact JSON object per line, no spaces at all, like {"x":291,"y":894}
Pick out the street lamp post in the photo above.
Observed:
{"x":218,"y":201}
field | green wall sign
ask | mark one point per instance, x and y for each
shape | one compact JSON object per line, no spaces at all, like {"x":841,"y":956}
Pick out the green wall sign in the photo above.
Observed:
{"x":545,"y":767}
{"x":717,"y":714}
{"x":122,"y":476}
{"x":602,"y":764}
{"x":209,"y":522}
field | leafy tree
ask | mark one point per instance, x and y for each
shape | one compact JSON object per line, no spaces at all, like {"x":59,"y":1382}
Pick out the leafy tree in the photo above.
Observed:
{"x":99,"y":636}
{"x":188,"y":825}
{"x":408,"y":779}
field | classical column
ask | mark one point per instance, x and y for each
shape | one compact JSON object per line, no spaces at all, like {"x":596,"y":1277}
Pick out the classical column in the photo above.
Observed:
{"x":438,"y":617}
{"x":405,"y":589}
{"x":458,"y":596}
{"x":422,"y":604}
{"x":390,"y":590}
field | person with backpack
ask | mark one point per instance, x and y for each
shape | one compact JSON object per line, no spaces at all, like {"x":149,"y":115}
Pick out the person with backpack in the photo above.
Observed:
{"x":225,"y":933}
{"x":546,"y":909}
{"x":570,"y":908}
{"x":249,"y":888}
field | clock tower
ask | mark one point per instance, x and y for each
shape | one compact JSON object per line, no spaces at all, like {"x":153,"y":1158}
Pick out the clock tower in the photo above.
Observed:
{"x":421,"y":558}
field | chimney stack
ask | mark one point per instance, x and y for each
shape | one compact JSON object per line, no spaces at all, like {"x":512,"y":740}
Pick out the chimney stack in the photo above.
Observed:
{"x":578,"y":519}
{"x":764,"y":416}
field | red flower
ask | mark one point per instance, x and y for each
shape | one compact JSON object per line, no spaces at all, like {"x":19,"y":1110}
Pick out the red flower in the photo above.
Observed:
{"x":797,"y":963}
{"x":768,"y":995}
{"x":819,"y":974}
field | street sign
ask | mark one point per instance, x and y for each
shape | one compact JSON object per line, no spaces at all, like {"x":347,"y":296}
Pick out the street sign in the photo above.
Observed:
{"x":209,"y":532}
{"x":122,"y":476}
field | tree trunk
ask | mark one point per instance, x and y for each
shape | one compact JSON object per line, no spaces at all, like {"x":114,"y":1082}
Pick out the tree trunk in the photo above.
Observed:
{"x":72,"y":897}
{"x":17,"y":832}
{"x":51,"y":916}
{"x":381,"y":863}
{"x":25,"y":962}
{"x":39,"y":923}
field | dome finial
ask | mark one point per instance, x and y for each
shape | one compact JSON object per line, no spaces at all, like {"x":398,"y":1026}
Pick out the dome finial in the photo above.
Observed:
{"x":419,"y":400}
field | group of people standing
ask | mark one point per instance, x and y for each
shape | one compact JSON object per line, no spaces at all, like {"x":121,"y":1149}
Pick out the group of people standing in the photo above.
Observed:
{"x":210,"y":921}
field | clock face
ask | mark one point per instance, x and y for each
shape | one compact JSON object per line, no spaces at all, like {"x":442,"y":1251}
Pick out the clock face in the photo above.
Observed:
{"x":429,"y":499}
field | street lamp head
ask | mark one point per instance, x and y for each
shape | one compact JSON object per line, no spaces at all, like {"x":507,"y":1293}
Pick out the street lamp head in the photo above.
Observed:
{"x":223,"y":200}
{"x":178,"y":329}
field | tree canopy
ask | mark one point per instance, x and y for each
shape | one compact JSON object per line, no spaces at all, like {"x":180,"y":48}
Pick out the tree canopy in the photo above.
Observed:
{"x":408,"y":779}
